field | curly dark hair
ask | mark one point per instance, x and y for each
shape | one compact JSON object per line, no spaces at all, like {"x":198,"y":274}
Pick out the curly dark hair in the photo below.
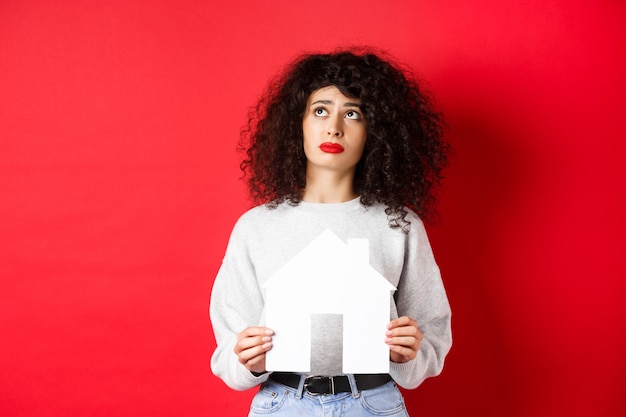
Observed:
{"x":404,"y":153}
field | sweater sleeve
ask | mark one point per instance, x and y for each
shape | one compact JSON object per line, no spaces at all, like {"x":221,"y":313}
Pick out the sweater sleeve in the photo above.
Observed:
{"x":421,"y":295}
{"x":236,"y":303}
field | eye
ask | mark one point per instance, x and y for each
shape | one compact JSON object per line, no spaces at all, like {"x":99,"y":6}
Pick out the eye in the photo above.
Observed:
{"x":353,"y":115}
{"x":320,"y":112}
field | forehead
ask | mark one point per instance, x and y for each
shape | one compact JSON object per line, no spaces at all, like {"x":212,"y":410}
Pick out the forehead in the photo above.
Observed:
{"x":333,"y":94}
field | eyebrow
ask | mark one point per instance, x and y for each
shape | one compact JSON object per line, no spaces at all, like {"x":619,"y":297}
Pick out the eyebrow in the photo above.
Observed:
{"x":346,"y":104}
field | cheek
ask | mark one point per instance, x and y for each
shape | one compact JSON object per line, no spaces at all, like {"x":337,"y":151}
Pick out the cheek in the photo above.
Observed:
{"x":307,"y":144}
{"x":362,"y":139}
{"x":362,"y":150}
{"x":306,"y":140}
{"x":307,"y":129}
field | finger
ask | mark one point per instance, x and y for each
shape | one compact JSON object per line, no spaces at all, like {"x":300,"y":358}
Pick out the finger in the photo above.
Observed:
{"x":401,"y":354}
{"x":403,"y":331}
{"x":250,"y":355}
{"x":401,"y":322}
{"x":253,"y":364}
{"x":251,"y":342}
{"x":406,"y":341}
{"x":256,"y":364}
{"x":255,"y":331}
{"x":252,"y":336}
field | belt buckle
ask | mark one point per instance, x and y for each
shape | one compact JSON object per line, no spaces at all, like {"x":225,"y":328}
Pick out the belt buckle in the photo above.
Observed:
{"x":310,"y":381}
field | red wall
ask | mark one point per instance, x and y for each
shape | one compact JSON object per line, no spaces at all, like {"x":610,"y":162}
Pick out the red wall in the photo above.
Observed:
{"x":119,"y":187}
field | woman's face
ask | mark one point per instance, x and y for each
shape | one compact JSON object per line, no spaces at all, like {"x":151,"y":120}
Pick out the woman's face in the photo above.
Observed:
{"x":334,"y":131}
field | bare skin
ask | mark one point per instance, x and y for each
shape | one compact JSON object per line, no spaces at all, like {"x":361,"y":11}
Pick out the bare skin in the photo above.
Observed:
{"x":252,"y":344}
{"x":331,"y":117}
{"x":404,"y":339}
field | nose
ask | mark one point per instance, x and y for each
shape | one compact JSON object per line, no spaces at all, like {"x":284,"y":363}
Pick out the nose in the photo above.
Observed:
{"x":334,"y":127}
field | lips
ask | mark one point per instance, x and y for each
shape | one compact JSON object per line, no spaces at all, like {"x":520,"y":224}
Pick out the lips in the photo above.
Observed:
{"x":329,"y":147}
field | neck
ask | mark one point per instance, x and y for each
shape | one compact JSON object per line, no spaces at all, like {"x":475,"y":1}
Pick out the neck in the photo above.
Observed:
{"x":327,"y":187}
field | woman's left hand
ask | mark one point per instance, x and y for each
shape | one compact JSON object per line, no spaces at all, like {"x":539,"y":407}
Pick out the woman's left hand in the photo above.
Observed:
{"x":404,"y":339}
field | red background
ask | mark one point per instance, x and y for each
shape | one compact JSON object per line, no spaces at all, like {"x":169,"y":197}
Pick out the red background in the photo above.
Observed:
{"x":119,"y":187}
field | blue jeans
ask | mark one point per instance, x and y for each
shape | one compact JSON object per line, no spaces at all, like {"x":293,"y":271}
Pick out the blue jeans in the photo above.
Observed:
{"x":274,"y":399}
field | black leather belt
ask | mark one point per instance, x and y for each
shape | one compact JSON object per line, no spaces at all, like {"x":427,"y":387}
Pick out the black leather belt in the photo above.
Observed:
{"x":324,"y":385}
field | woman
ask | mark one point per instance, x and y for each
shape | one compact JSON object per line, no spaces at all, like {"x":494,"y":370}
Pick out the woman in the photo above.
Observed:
{"x":349,"y":142}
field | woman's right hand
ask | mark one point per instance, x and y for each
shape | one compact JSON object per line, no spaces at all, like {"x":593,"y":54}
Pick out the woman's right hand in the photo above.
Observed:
{"x":252,"y":343}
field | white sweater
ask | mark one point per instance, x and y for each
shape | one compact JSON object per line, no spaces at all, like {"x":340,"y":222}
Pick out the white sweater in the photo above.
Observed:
{"x":264,"y":240}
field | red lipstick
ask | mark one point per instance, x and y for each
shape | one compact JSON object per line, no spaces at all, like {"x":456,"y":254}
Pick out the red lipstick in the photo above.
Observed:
{"x":329,"y":147}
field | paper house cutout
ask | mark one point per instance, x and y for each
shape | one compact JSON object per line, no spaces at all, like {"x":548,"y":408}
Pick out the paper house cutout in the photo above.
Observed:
{"x":329,"y":276}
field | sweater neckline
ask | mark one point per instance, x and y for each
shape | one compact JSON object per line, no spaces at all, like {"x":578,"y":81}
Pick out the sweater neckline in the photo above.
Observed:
{"x":346,"y":206}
